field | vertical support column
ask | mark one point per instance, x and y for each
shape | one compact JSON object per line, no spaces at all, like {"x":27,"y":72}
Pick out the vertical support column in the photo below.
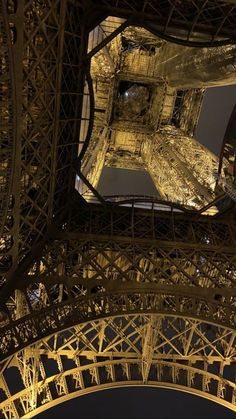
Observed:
{"x":149,"y":343}
{"x":15,"y":22}
{"x":181,"y":168}
{"x":71,"y":104}
{"x":93,"y":163}
{"x":59,"y":69}
{"x":186,"y":67}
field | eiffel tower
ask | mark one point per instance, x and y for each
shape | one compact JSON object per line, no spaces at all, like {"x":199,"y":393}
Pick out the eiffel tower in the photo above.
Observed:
{"x":99,"y":292}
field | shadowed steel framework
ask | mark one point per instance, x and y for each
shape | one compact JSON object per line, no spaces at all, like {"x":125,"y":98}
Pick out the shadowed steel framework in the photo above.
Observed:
{"x":98,"y":292}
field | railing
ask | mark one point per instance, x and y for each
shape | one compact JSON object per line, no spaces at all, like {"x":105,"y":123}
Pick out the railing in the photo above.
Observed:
{"x":144,"y":201}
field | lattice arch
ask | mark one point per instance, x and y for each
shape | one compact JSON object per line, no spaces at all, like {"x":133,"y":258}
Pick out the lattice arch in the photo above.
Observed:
{"x":123,"y":262}
{"x":162,"y":300}
{"x":133,"y":383}
{"x":138,"y":349}
{"x":99,"y":296}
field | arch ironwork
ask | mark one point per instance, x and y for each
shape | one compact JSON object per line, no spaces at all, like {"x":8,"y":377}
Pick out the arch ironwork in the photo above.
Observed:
{"x":164,"y":300}
{"x":138,"y":349}
{"x":101,"y":296}
{"x":123,"y":260}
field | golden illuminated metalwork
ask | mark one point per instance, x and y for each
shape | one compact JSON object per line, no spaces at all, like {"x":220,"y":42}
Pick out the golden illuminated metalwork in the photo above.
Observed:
{"x":149,"y":123}
{"x":131,"y":291}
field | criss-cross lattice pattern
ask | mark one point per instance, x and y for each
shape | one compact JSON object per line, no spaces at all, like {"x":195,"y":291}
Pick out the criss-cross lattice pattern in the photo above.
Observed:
{"x":39,"y":57}
{"x":47,"y":91}
{"x":98,"y":296}
{"x":138,"y":349}
{"x":183,"y":170}
{"x":215,"y":21}
{"x":124,"y":261}
{"x":7,"y":139}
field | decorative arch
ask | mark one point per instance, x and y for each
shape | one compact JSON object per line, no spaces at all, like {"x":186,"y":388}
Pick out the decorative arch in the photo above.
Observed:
{"x":143,"y":282}
{"x":135,"y":299}
{"x":121,"y":262}
{"x":134,"y":384}
{"x":138,"y":349}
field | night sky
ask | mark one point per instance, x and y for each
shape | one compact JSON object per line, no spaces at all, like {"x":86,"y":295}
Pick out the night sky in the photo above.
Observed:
{"x":126,"y":182}
{"x":216,"y":109}
{"x":143,"y":402}
{"x":138,"y":403}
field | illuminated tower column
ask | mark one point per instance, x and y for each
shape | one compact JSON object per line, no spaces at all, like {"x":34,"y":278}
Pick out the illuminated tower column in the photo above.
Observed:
{"x":197,"y":67}
{"x":102,"y":296}
{"x":181,"y":168}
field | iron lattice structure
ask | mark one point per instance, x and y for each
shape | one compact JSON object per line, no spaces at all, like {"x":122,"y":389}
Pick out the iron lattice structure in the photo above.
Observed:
{"x":95,"y":296}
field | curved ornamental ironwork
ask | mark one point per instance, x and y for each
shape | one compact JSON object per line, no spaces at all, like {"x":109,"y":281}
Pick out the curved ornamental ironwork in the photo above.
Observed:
{"x":98,"y":296}
{"x":139,"y":349}
{"x":117,"y":260}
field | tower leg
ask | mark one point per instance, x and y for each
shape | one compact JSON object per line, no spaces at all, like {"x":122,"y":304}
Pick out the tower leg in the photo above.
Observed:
{"x":191,"y":67}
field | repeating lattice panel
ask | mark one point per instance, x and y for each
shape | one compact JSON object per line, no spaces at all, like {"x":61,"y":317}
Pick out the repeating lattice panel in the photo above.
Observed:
{"x":113,"y":260}
{"x":141,"y":296}
{"x":7,"y":145}
{"x":43,"y":41}
{"x":214,"y":20}
{"x":184,"y":353}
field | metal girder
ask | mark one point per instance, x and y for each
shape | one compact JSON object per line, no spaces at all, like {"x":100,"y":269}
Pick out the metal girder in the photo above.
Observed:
{"x":183,"y":66}
{"x":205,"y":23}
{"x":116,"y":260}
{"x":105,"y":39}
{"x":45,"y":82}
{"x":171,"y":301}
{"x":181,"y":168}
{"x":7,"y":116}
{"x":228,"y":150}
{"x":187,"y":354}
{"x":127,"y":295}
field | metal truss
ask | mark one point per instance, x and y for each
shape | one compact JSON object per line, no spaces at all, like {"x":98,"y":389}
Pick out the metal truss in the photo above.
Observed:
{"x":42,"y":84}
{"x":98,"y":296}
{"x":41,"y":88}
{"x":228,"y":150}
{"x":183,"y":65}
{"x":138,"y":349}
{"x":7,"y":146}
{"x":149,"y":141}
{"x":7,"y":150}
{"x":181,"y":168}
{"x":203,"y":23}
{"x":123,"y":261}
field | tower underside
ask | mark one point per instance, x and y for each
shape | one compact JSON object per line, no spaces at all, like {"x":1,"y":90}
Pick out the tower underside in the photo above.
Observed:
{"x":95,"y":293}
{"x":142,"y":121}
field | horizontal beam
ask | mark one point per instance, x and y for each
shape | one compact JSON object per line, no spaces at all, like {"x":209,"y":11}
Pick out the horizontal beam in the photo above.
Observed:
{"x":140,"y":298}
{"x":83,"y":237}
